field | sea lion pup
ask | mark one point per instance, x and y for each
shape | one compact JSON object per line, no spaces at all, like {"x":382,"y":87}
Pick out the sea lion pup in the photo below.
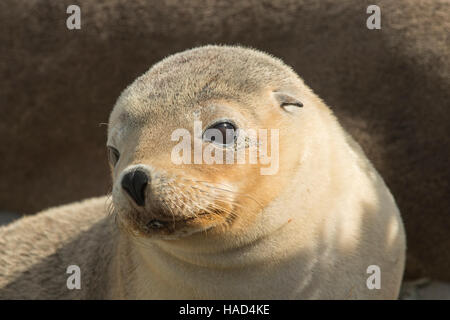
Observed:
{"x":312,"y":220}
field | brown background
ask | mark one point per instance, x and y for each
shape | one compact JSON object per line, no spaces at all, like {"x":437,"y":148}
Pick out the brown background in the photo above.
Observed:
{"x":388,"y":87}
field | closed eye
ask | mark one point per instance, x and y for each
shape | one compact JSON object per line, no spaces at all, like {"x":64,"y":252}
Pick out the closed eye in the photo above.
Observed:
{"x":113,"y":155}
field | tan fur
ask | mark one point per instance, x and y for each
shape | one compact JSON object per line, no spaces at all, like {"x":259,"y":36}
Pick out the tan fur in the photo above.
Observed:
{"x":308,"y":232}
{"x":35,"y":252}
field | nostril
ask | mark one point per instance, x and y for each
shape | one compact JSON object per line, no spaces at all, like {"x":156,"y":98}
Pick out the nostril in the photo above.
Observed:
{"x":134,"y":183}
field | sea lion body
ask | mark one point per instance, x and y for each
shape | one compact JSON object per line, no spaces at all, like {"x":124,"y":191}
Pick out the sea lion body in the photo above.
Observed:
{"x":36,"y":251}
{"x":311,"y":229}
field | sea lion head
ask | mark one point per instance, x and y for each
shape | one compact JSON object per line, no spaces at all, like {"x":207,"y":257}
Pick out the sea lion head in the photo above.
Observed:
{"x":170,"y":127}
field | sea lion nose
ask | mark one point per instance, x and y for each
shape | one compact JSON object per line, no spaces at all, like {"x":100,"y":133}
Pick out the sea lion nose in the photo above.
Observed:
{"x":134,"y":183}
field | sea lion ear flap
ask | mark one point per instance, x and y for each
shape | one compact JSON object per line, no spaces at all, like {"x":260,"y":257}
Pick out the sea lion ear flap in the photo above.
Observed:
{"x":285,"y":99}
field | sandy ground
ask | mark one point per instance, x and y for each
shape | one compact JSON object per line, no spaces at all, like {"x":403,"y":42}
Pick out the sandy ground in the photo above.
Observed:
{"x":422,"y":289}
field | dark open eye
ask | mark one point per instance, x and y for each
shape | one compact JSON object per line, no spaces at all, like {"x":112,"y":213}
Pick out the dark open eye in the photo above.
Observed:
{"x":113,"y":155}
{"x":221,"y":133}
